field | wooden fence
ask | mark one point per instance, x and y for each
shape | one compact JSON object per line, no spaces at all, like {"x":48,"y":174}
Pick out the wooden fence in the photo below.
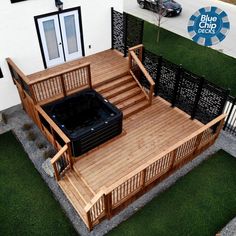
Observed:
{"x":114,"y":198}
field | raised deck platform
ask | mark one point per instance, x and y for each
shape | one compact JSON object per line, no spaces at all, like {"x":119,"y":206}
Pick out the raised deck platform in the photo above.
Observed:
{"x":147,"y":134}
{"x":154,"y":143}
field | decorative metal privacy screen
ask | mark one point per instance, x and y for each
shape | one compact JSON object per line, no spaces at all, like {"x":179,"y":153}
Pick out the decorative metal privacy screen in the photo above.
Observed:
{"x":127,"y":31}
{"x":133,"y":31}
{"x":117,"y":30}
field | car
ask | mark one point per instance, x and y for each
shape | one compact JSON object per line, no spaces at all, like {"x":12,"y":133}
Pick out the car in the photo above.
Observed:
{"x":164,"y":7}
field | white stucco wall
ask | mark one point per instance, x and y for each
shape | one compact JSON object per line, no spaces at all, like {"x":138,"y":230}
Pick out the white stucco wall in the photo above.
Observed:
{"x":19,"y":41}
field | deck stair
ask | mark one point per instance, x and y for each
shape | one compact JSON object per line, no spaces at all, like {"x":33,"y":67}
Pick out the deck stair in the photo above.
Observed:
{"x":124,"y":92}
{"x":77,"y":191}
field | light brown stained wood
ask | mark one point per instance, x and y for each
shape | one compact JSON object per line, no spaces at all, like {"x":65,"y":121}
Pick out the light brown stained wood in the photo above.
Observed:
{"x":104,"y":65}
{"x":148,"y":133}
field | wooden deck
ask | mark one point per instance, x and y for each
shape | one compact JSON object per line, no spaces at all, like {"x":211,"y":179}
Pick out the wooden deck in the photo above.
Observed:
{"x":104,"y":65}
{"x":156,"y":140}
{"x":148,"y":133}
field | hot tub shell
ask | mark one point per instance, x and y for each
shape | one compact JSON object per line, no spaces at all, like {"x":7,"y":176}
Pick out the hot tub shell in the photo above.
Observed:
{"x":103,"y":122}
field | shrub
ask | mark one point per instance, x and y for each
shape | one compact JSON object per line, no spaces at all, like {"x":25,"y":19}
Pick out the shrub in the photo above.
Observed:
{"x":31,"y":136}
{"x":41,"y":145}
{"x":27,"y":126}
{"x":49,"y":153}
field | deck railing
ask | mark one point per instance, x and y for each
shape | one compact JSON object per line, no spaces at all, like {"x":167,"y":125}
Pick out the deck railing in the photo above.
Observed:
{"x":61,"y":83}
{"x":114,"y":198}
{"x":62,"y":161}
{"x":54,"y":85}
{"x":139,"y":73}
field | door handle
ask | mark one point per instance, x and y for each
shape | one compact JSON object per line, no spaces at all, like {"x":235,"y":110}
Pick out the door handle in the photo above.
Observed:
{"x":59,"y":44}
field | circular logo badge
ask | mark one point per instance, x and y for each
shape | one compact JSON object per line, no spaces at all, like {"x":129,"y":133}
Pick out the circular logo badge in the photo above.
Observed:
{"x":208,"y":26}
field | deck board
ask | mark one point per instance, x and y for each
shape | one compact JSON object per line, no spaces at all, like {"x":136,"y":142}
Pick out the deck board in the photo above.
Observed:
{"x":104,"y":65}
{"x":147,"y":134}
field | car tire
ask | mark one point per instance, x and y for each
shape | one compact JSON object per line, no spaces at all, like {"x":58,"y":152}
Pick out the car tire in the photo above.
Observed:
{"x":142,"y":5}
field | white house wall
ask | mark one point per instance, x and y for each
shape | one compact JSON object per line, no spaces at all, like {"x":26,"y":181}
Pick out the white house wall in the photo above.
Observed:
{"x":19,"y":40}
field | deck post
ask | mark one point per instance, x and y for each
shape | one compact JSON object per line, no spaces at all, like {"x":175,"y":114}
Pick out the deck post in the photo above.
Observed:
{"x":125,"y":18}
{"x":63,"y":85}
{"x":174,"y":153}
{"x":177,"y":81}
{"x":218,"y":129}
{"x":108,"y":205}
{"x":143,"y":178}
{"x":89,"y":221}
{"x":197,"y":143}
{"x":32,"y":93}
{"x":112,"y":28}
{"x":56,"y":174}
{"x":89,"y":77}
{"x":197,"y":98}
{"x":158,"y":76}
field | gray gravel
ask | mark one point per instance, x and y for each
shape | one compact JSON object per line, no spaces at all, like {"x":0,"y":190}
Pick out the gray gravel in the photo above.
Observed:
{"x":16,"y":118}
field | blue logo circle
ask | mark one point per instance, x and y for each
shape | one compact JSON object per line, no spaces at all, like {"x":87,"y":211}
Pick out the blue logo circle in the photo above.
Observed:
{"x":208,"y":26}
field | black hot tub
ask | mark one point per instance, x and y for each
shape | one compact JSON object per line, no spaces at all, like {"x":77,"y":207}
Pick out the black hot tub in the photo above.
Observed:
{"x":86,"y":118}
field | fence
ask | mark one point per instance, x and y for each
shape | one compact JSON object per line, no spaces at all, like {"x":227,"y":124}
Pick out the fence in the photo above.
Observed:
{"x":230,"y":110}
{"x":195,"y":95}
{"x":127,"y":31}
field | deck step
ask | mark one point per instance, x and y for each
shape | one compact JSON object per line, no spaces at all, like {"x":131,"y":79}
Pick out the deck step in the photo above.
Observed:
{"x":119,"y":90}
{"x":135,"y":108}
{"x":125,"y":95}
{"x":114,"y":84}
{"x":131,"y":101}
{"x":73,"y":197}
{"x":79,"y":186}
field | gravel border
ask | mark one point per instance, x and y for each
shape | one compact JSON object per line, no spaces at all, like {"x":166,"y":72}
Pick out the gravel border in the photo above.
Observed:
{"x":16,"y":118}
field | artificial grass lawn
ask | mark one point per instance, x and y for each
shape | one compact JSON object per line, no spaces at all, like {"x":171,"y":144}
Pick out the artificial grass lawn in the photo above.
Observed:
{"x":215,"y":66}
{"x":27,"y":206}
{"x":201,"y":203}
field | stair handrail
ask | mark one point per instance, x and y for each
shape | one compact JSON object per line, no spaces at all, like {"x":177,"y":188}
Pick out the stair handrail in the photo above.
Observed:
{"x":138,"y":61}
{"x":61,"y":155}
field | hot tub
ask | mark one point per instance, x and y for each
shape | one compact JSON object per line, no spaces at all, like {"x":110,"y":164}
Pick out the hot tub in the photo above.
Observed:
{"x":86,"y":118}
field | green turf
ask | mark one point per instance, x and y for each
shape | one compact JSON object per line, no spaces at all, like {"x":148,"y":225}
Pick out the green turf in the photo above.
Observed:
{"x":27,"y":206}
{"x":201,"y":203}
{"x":215,"y":66}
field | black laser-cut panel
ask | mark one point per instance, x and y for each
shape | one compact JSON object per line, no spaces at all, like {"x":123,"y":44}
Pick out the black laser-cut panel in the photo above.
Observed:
{"x":150,"y":62}
{"x":211,"y":103}
{"x":118,"y":31}
{"x":187,"y":91}
{"x":134,"y":31}
{"x":167,"y":80}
